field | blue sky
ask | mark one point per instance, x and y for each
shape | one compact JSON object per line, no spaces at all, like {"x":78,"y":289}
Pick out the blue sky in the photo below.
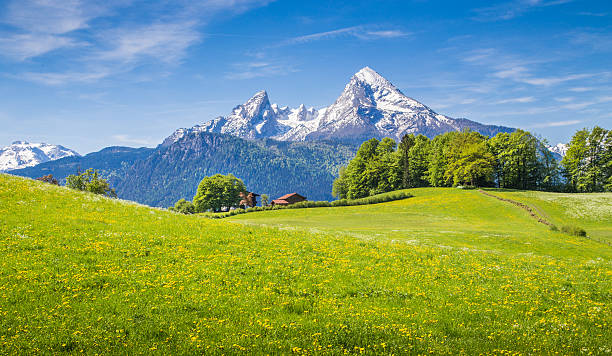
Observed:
{"x":87,"y":76}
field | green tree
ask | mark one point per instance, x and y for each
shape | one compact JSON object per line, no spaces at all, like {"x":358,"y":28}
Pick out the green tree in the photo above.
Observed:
{"x":184,"y":207}
{"x":403,"y":151}
{"x":265,"y":200}
{"x":90,"y":181}
{"x":474,"y":166}
{"x":418,"y":158}
{"x":374,"y":169}
{"x":217,"y":192}
{"x":575,"y":159}
{"x":438,"y":158}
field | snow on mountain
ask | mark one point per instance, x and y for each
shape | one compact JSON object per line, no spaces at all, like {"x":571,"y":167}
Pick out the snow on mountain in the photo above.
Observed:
{"x":370,"y":106}
{"x":22,"y":154}
{"x":559,"y":148}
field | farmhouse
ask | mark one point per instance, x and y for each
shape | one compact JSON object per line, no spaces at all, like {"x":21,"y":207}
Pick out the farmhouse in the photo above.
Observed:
{"x":288,"y":199}
{"x":248,"y":199}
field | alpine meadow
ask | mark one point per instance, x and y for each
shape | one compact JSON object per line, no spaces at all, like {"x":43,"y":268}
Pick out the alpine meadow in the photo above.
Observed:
{"x":276,"y":177}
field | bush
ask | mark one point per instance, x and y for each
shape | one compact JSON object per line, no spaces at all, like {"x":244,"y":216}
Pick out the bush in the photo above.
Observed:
{"x":184,"y":207}
{"x":573,"y":230}
{"x":553,"y":228}
{"x":90,"y":181}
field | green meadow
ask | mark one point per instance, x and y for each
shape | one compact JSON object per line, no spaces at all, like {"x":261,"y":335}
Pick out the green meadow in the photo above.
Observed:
{"x":446,"y":271}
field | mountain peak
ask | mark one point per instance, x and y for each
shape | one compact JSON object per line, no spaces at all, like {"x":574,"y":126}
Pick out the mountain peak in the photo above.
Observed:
{"x":22,"y":154}
{"x":372,"y":77}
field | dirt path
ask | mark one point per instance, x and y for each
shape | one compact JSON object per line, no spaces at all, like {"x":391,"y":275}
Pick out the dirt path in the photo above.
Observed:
{"x":520,"y":205}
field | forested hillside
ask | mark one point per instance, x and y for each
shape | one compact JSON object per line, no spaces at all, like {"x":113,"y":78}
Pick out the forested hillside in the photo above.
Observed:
{"x":161,"y":176}
{"x":112,"y":163}
{"x":266,"y":166}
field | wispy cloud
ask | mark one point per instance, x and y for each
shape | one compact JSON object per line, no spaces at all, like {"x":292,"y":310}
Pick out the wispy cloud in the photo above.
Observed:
{"x":50,"y":78}
{"x":27,"y":45}
{"x":39,"y":27}
{"x":166,"y":42}
{"x":555,"y":124}
{"x":595,"y":41}
{"x":585,"y":104}
{"x":521,"y":74}
{"x":511,"y":9}
{"x":259,"y":69}
{"x":361,"y":32}
{"x":595,"y":14}
{"x":524,"y":99}
{"x":581,"y":89}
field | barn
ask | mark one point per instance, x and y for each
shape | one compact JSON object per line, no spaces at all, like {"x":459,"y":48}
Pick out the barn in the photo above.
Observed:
{"x":288,"y":199}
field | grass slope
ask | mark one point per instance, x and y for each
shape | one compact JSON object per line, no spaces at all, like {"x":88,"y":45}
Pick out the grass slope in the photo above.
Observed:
{"x":84,"y":273}
{"x":450,"y":217}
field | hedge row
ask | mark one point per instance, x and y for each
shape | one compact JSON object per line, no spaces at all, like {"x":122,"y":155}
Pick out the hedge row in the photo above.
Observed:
{"x":375,"y":199}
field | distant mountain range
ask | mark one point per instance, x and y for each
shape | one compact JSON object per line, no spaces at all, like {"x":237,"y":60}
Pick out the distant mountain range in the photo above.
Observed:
{"x":370,"y":106}
{"x":161,"y":176}
{"x":21,"y":154}
{"x":275,"y":150}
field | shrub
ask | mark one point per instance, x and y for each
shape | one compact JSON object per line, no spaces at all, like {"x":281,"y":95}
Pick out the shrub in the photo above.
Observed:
{"x":553,"y":228}
{"x":573,"y":230}
{"x":90,"y":181}
{"x":184,"y":207}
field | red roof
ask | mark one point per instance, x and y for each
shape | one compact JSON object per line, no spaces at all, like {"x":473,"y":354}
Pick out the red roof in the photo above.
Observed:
{"x":289,"y":195}
{"x":280,"y":201}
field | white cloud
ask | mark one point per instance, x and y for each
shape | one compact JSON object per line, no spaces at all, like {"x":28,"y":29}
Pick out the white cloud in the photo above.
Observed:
{"x":555,"y":80}
{"x":565,"y":99}
{"x":585,"y":104}
{"x":24,"y":46}
{"x":66,"y":77}
{"x":38,"y":27}
{"x":361,"y":32}
{"x":581,"y":89}
{"x":259,"y":69}
{"x":512,"y":9}
{"x":525,"y":99}
{"x":556,"y":124}
{"x":53,"y":16}
{"x":166,"y":42}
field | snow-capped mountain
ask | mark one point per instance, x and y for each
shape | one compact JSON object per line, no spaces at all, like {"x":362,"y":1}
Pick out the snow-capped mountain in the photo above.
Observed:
{"x":559,"y":148}
{"x":22,"y":154}
{"x":370,"y":106}
{"x":257,"y":118}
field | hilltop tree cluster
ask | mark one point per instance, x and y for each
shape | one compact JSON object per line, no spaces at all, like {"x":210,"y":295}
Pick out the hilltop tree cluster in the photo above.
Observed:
{"x":515,"y":160}
{"x":214,"y":193}
{"x":588,"y":161}
{"x":90,"y":181}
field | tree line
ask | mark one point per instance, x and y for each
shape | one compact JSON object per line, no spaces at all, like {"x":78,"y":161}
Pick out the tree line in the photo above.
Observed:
{"x":516,"y":160}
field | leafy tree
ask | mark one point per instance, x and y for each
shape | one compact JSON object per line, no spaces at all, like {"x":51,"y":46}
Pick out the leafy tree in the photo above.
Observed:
{"x":184,"y":207}
{"x":90,"y":181}
{"x":587,"y":164}
{"x":474,"y":167}
{"x":217,"y":192}
{"x":438,"y":158}
{"x":403,"y":150}
{"x":374,"y":169}
{"x":265,"y":200}
{"x":418,"y":162}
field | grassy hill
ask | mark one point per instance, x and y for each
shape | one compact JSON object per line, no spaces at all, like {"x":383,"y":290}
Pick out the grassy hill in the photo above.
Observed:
{"x":446,"y":271}
{"x":450,"y":217}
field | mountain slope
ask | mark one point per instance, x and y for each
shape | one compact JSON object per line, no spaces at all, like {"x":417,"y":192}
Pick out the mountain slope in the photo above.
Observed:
{"x":272,"y":167}
{"x":161,"y":176}
{"x":370,"y":106}
{"x":21,"y":154}
{"x":112,"y":162}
